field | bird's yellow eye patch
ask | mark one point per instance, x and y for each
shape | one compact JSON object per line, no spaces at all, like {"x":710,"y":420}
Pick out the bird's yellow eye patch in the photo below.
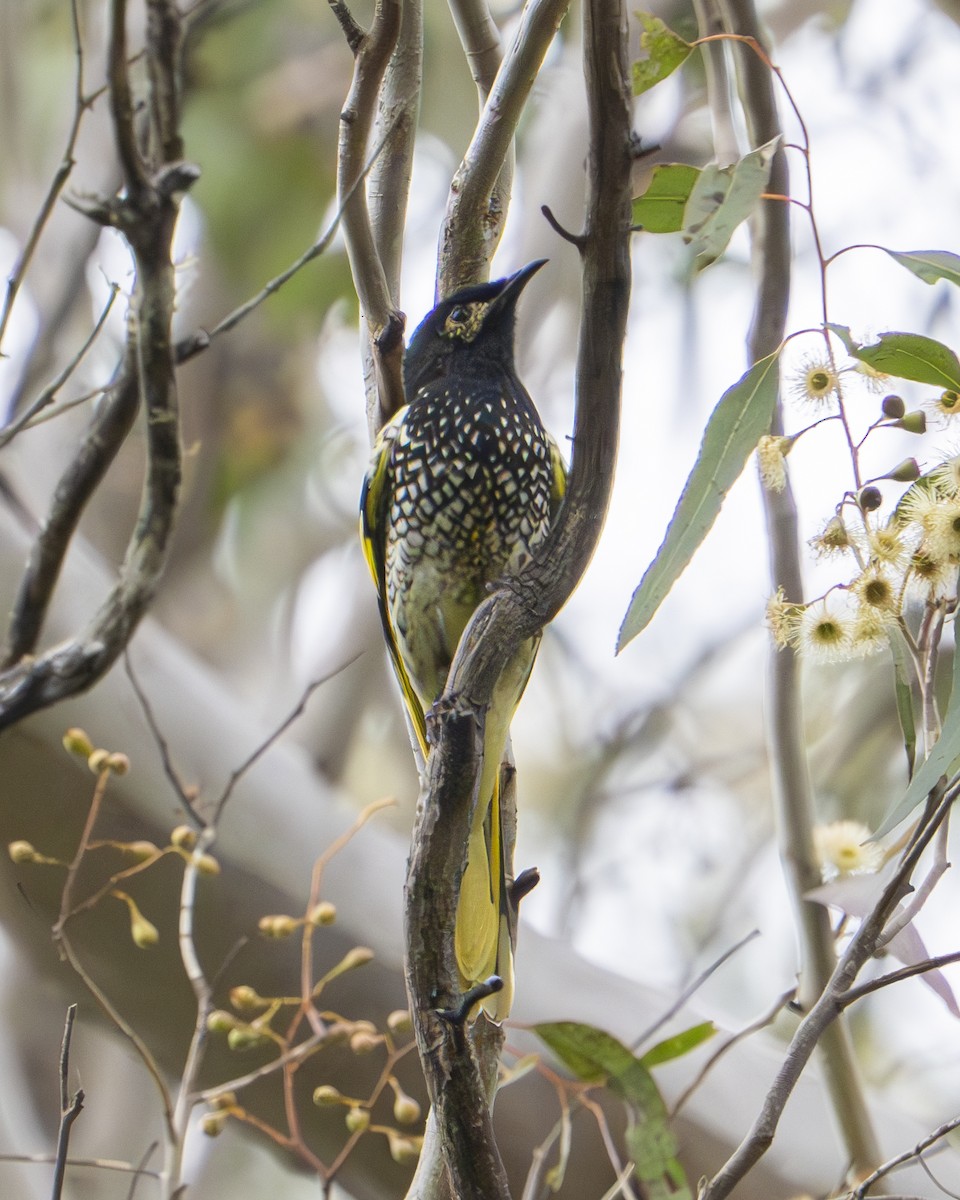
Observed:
{"x":465,"y":321}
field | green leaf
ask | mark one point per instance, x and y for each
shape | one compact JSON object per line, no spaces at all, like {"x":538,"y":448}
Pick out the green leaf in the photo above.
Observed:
{"x":679,"y":1044}
{"x":660,"y":208}
{"x":929,"y":265}
{"x":906,"y":356}
{"x":665,"y":49}
{"x":904,"y":696}
{"x":736,"y":425}
{"x":597,"y":1057}
{"x":722,"y":197}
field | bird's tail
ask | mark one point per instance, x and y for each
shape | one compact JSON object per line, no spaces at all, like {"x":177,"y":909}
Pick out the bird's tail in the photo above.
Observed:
{"x":484,"y":930}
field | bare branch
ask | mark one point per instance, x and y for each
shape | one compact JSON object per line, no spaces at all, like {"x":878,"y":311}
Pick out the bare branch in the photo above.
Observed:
{"x":146,"y":215}
{"x":384,"y":321}
{"x":474,"y":218}
{"x":793,"y":792}
{"x":70,"y":1107}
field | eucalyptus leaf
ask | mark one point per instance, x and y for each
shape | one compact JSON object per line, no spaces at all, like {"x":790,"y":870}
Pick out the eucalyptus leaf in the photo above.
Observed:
{"x":661,"y":207}
{"x":905,"y":356}
{"x":665,"y":49}
{"x":597,"y":1057}
{"x":722,"y":198}
{"x":929,"y":265}
{"x":679,"y":1044}
{"x":737,"y":423}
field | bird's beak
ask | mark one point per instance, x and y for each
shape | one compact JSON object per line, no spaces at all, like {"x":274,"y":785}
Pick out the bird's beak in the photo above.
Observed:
{"x":516,"y":282}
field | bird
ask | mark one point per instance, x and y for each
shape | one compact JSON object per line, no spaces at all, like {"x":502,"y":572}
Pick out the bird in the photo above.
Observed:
{"x":463,"y":486}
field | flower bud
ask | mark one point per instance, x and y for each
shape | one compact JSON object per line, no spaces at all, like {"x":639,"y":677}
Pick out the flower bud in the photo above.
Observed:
{"x":118,"y":763}
{"x":870,"y":498}
{"x":893,"y":407}
{"x":223,"y":1101}
{"x":403,"y":1149}
{"x":97,"y":761}
{"x":245,"y":1037}
{"x":904,"y":472}
{"x":141,"y":850}
{"x":183,"y":837}
{"x":279,"y":926}
{"x":357,"y":1119}
{"x":325,"y":1096}
{"x":245,"y":999}
{"x":405,"y":1109}
{"x":359,"y":956}
{"x":143,"y":932}
{"x":323,"y":913}
{"x":213,"y":1123}
{"x":220,"y":1021}
{"x":913,"y":422}
{"x":208,"y":865}
{"x":75,"y":741}
{"x":365,"y":1043}
{"x":399,"y":1021}
{"x":21,"y":852}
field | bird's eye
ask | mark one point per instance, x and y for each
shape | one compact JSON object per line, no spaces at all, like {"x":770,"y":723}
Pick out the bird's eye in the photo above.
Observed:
{"x":459,"y":315}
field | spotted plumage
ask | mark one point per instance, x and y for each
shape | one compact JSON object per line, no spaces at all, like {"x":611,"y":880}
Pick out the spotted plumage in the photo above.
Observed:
{"x":461,"y":490}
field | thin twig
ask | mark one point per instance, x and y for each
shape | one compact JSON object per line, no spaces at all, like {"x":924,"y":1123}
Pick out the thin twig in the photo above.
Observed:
{"x":907,"y":1156}
{"x":70,"y":1106}
{"x":18,"y":274}
{"x":692,"y":988}
{"x":238,"y":773}
{"x":181,"y":790}
{"x":30,"y":414}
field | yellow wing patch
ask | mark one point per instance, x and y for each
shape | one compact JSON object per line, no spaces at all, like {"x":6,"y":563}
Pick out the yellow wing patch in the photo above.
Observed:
{"x":374,"y":513}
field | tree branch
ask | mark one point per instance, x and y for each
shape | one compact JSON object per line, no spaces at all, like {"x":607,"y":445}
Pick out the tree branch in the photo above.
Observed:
{"x":792,"y":786}
{"x":145,"y":215}
{"x":475,"y":210}
{"x":371,"y":51}
{"x":518,"y":609}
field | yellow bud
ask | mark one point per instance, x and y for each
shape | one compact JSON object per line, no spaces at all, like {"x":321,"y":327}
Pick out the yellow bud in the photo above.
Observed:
{"x":245,"y":999}
{"x":119,"y":764}
{"x":143,"y":932}
{"x":359,"y":956}
{"x":220,"y":1021}
{"x":208,"y":865}
{"x":245,"y":1037}
{"x":97,"y":761}
{"x":223,"y":1101}
{"x":21,"y":852}
{"x":399,"y":1021}
{"x":365,"y":1043}
{"x":279,"y":926}
{"x":405,"y":1109}
{"x":183,"y":837}
{"x":213,"y":1123}
{"x":325,"y":1096}
{"x":357,"y":1120}
{"x":141,"y":850}
{"x":323,"y":913}
{"x":75,"y":741}
{"x":403,"y":1149}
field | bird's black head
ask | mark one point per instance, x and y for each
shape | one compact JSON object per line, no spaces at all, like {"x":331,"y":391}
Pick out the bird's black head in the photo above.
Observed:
{"x":472,"y":328}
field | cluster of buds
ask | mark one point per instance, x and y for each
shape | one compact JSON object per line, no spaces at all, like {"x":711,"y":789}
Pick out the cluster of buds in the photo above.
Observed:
{"x":406,"y":1111}
{"x":100,"y":761}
